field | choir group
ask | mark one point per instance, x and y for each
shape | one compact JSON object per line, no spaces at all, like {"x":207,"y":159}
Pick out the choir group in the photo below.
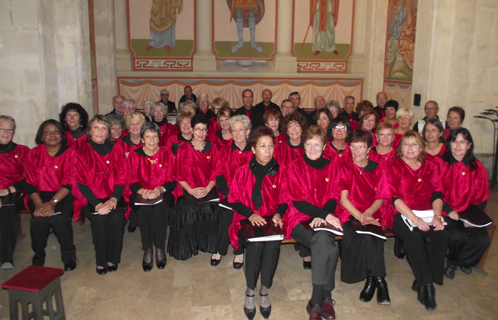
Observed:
{"x":216,"y":170}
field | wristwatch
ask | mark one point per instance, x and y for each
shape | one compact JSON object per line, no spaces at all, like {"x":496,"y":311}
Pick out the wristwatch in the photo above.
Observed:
{"x":55,"y":200}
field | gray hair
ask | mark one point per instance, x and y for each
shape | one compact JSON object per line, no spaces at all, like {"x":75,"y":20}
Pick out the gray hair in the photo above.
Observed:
{"x":9,"y":119}
{"x":404,"y":112}
{"x":100,"y":119}
{"x":189,"y":103}
{"x":334,"y":104}
{"x":115,"y":119}
{"x":160,"y":105}
{"x":242,"y":118}
{"x":130,"y":101}
{"x":148,"y":103}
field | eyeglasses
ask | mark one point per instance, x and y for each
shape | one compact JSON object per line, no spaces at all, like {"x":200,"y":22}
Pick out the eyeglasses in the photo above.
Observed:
{"x":404,"y":117}
{"x":410,"y":145}
{"x":339,"y":128}
{"x":129,"y":107}
{"x":200,"y":129}
{"x":48,"y":133}
{"x":313,"y":146}
{"x":266,"y":146}
{"x":2,"y":130}
{"x":361,"y":148}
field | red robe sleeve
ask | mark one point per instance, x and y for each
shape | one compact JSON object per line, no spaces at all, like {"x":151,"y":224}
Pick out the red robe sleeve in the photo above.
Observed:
{"x":272,"y":191}
{"x":316,"y":186}
{"x":12,"y":165}
{"x":229,"y":161}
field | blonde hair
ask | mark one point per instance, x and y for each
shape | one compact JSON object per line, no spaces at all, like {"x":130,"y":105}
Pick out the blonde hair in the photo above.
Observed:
{"x":134,"y":116}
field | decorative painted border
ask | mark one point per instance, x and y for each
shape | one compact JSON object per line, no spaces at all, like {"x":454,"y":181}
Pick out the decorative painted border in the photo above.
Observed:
{"x":164,"y":63}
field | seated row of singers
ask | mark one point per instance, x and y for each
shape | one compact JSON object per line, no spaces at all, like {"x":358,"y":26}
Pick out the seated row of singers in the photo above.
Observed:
{"x":101,"y":179}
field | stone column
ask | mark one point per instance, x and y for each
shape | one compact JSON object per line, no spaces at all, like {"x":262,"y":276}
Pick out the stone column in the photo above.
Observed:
{"x":285,"y":61}
{"x":204,"y":59}
{"x":123,"y":56}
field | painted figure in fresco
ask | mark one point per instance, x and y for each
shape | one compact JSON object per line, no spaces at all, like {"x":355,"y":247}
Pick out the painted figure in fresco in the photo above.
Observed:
{"x":162,"y":23}
{"x":323,"y":18}
{"x":401,"y":42}
{"x":247,"y":13}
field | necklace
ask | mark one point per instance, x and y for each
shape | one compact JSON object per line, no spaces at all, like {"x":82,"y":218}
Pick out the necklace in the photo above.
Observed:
{"x":198,"y":149}
{"x":150,"y":154}
{"x":360,"y":169}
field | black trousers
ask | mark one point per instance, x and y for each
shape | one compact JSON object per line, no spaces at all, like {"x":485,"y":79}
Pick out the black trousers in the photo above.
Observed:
{"x":153,"y":222}
{"x":361,"y":255}
{"x":425,"y":251}
{"x":261,"y":258}
{"x":107,"y":233}
{"x":61,"y":226}
{"x":9,"y":225}
{"x":223,"y":240}
{"x":324,"y":254}
{"x":466,"y":246}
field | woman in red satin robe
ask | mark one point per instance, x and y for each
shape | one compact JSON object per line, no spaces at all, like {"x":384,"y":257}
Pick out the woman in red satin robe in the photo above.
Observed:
{"x":369,"y":120}
{"x":272,"y":118}
{"x":101,"y":175}
{"x":465,"y":184}
{"x":390,"y":108}
{"x":49,"y":171}
{"x":313,"y":183}
{"x":231,"y":158}
{"x":160,"y":117}
{"x":74,"y":119}
{"x":293,"y":125}
{"x":222,"y":137}
{"x":258,"y":190}
{"x":384,"y":150}
{"x":117,"y":127}
{"x":12,"y":158}
{"x":365,"y":199}
{"x":215,"y":106}
{"x":338,"y":147}
{"x":434,"y":138}
{"x":416,"y":185}
{"x":133,"y":122}
{"x":194,"y":220}
{"x":185,"y":135}
{"x":150,"y":176}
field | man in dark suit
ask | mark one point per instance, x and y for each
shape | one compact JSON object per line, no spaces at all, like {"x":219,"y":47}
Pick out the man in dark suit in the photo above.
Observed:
{"x":319,"y":103}
{"x":348,"y":109}
{"x":188,"y":95}
{"x":165,"y":100}
{"x":117,"y":104}
{"x":247,"y":109}
{"x":381,"y":103}
{"x":266,"y":103}
{"x":296,"y":99}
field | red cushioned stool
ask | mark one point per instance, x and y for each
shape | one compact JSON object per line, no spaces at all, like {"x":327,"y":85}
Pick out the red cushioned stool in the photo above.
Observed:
{"x":36,"y":286}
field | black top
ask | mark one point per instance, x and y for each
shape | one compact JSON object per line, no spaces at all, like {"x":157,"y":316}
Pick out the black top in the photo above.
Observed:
{"x":184,"y":98}
{"x":255,"y":114}
{"x":5,"y":148}
{"x":77,"y":133}
{"x":208,"y":114}
{"x":170,"y":104}
{"x":353,"y":116}
{"x":262,"y":107}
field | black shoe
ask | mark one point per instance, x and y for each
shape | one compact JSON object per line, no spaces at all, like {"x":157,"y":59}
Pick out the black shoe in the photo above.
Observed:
{"x":449,"y":272}
{"x":101,"y":272}
{"x":237,"y":265}
{"x":368,"y":291}
{"x":215,"y":262}
{"x":161,"y":264}
{"x":147,"y":266}
{"x":382,"y":291}
{"x":70,"y":266}
{"x":131,"y":228}
{"x":430,"y":297}
{"x":465,"y":270}
{"x":265,"y":312}
{"x":250,"y":313}
{"x":113,"y":268}
{"x":306,"y":265}
{"x":420,"y":292}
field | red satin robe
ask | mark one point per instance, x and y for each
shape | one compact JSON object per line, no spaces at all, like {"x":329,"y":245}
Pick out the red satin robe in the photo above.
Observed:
{"x":374,"y":156}
{"x":127,"y":147}
{"x":273,"y":192}
{"x":100,"y":173}
{"x":284,"y":154}
{"x":331,"y":153}
{"x":213,"y":126}
{"x":176,"y":138}
{"x":229,"y":161}
{"x":12,"y":165}
{"x":363,"y":188}
{"x":167,"y":130}
{"x":195,"y":167}
{"x":216,"y":138}
{"x":76,"y":143}
{"x":150,"y":172}
{"x":463,"y":187}
{"x":415,"y":188}
{"x":429,"y":157}
{"x":281,"y":138}
{"x":316,"y":186}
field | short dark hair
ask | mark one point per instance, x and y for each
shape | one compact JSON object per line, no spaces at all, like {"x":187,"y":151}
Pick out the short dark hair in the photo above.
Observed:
{"x":199,"y":118}
{"x":257,"y":133}
{"x":393,"y":104}
{"x":293,"y":93}
{"x":340,"y":119}
{"x":297,"y":117}
{"x":39,"y":133}
{"x":436,"y":123}
{"x":272,"y":113}
{"x":360,"y":135}
{"x":458,"y":110}
{"x":72,"y":106}
{"x":150,"y":126}
{"x":247,"y":90}
{"x":469,"y":155}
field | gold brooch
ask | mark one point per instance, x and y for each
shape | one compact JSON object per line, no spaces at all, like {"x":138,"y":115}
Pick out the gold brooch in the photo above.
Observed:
{"x":74,"y":139}
{"x":152,"y":161}
{"x":340,"y":155}
{"x":327,"y":179}
{"x":160,"y":166}
{"x":56,"y":167}
{"x":274,"y":186}
{"x":463,"y":173}
{"x":16,"y":156}
{"x":107,"y":162}
{"x":208,"y":157}
{"x":280,"y":141}
{"x":419,"y":179}
{"x":240,"y":152}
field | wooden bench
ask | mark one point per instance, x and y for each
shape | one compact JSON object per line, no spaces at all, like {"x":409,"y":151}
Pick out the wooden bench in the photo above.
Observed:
{"x":390,"y":234}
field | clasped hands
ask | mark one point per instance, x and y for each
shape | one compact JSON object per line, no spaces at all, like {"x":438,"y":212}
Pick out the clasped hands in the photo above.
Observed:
{"x":104,"y":208}
{"x":44,"y":209}
{"x":199,"y":192}
{"x":436,"y":222}
{"x":330,"y":219}
{"x":258,"y":221}
{"x":152,"y":194}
